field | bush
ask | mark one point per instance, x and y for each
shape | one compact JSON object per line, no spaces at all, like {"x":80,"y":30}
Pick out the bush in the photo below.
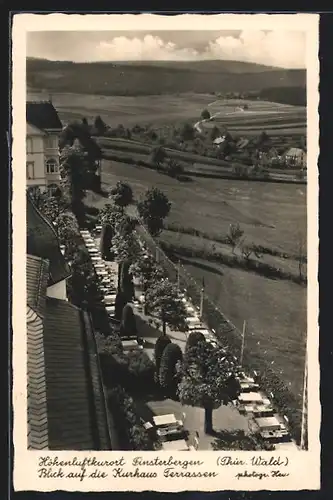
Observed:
{"x":126,"y":281}
{"x":205,"y":115}
{"x":122,"y":194}
{"x":160,"y":345}
{"x":172,"y":355}
{"x":132,"y":435}
{"x":128,"y":326}
{"x":106,"y":242}
{"x":193,"y":339}
{"x":120,"y":303}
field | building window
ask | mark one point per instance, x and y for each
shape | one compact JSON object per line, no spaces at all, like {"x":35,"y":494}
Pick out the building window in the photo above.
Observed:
{"x":51,"y":166}
{"x":29,"y":145}
{"x":51,"y":142}
{"x":30,"y":170}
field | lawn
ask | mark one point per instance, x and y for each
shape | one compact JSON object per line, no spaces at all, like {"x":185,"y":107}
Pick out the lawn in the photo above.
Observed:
{"x":274,"y":311}
{"x":272,"y":215}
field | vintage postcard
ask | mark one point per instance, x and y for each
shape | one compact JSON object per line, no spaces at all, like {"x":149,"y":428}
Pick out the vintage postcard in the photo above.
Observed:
{"x":165,"y":252}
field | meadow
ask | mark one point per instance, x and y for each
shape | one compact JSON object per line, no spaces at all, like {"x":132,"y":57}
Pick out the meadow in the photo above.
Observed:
{"x":271,"y":215}
{"x":163,"y":110}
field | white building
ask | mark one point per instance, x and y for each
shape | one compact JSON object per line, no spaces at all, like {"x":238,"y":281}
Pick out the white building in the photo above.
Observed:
{"x":295,"y":157}
{"x":42,"y":154}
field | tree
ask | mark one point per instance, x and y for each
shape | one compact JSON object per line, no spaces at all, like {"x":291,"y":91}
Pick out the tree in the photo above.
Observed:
{"x":112,"y":215}
{"x":168,"y":370}
{"x":157,"y":156}
{"x":240,"y":440}
{"x":84,"y":283}
{"x":126,"y":281}
{"x":193,"y":339}
{"x":205,"y":114}
{"x":128,"y":326}
{"x":248,"y":250}
{"x":173,"y":168}
{"x":126,"y":246}
{"x":105,"y":244}
{"x":73,"y":172}
{"x":120,"y":303}
{"x":66,"y":227}
{"x":122,"y":194}
{"x":187,"y":133}
{"x":153,"y":209}
{"x":163,"y":300}
{"x":160,"y":345}
{"x":100,"y":126}
{"x":208,"y":379}
{"x":234,"y":235}
{"x":147,"y":270}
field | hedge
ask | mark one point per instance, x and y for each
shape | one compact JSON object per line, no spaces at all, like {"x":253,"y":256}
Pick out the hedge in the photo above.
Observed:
{"x":193,"y":339}
{"x":172,"y":354}
{"x":160,"y":345}
{"x":128,"y":324}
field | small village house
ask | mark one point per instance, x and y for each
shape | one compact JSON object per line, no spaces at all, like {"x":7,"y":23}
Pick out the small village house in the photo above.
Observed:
{"x":295,"y":157}
{"x":42,"y":153}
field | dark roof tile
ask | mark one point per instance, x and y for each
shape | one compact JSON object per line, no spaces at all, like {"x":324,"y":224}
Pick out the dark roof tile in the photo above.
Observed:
{"x":68,"y":380}
{"x":43,"y":115}
{"x":37,"y":277}
{"x":37,"y":439}
{"x":42,"y":241}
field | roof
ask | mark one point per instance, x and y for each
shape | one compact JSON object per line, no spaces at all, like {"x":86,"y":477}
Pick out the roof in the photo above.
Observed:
{"x":295,"y":152}
{"x":43,"y":115}
{"x":36,"y":394}
{"x":31,"y":130}
{"x":42,"y":241}
{"x":37,"y":277}
{"x":75,"y":405}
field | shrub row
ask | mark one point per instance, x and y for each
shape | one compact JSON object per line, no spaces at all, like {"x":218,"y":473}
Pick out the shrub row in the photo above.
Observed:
{"x":131,"y":433}
{"x":261,"y":268}
{"x":230,"y":339}
{"x":225,"y":240}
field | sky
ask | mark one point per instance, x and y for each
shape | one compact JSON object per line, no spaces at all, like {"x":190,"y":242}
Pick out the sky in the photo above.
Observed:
{"x":279,"y":48}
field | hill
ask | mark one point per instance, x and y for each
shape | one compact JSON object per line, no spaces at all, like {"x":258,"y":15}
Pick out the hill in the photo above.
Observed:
{"x":149,"y":78}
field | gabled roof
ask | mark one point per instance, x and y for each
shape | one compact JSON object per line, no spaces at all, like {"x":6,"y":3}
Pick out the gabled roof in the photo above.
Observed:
{"x":42,"y":241}
{"x":37,"y":279}
{"x":76,"y":411}
{"x":43,"y":115}
{"x":32,"y":130}
{"x":295,"y":152}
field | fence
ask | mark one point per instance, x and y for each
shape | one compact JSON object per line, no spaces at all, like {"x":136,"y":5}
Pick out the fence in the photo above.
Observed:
{"x":228,"y":335}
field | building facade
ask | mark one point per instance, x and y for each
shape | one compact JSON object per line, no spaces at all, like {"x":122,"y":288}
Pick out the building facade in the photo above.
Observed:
{"x":42,"y":152}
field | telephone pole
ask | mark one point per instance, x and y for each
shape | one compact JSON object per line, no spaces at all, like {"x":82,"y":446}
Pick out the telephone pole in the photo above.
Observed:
{"x":243,"y":344}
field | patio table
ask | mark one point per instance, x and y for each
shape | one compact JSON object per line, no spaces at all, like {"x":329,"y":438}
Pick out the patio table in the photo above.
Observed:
{"x":165,"y":420}
{"x":250,"y":397}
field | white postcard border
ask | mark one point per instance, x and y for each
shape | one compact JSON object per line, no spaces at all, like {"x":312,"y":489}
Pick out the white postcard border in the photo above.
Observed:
{"x":303,"y":467}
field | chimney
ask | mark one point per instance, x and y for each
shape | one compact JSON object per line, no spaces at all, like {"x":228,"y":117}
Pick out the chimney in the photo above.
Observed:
{"x":50,"y":98}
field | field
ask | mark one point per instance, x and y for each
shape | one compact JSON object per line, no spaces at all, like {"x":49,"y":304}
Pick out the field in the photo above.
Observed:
{"x":276,"y":119}
{"x":160,"y":111}
{"x":272,"y":215}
